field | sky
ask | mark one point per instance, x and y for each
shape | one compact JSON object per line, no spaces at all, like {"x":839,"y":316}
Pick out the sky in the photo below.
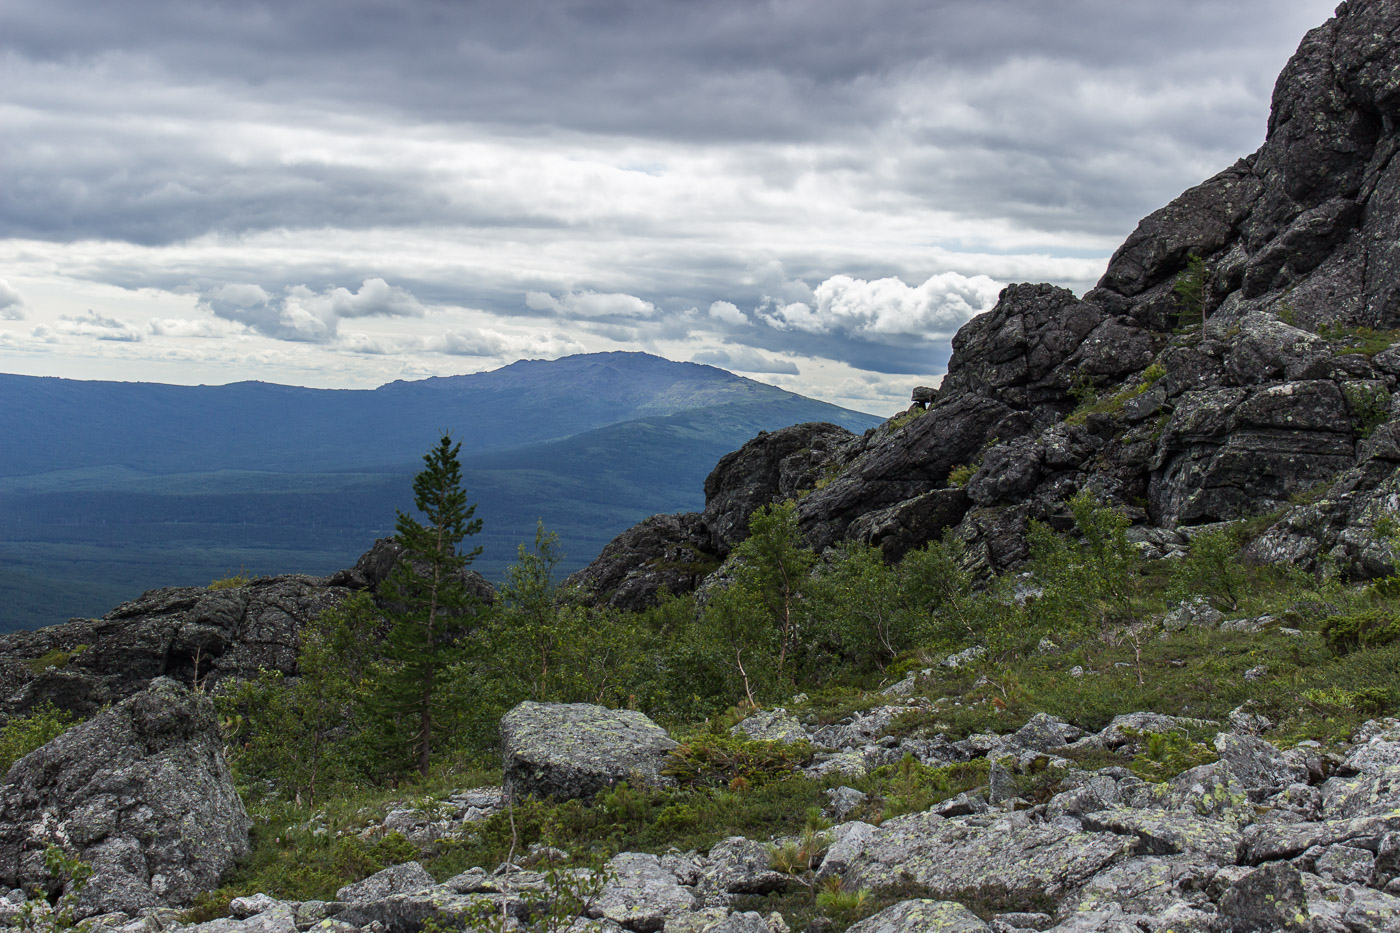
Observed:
{"x":815,"y":194}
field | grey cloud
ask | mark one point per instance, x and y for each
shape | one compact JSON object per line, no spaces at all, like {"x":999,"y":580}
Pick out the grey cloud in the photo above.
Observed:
{"x":96,"y":325}
{"x":305,"y":316}
{"x":703,"y":70}
{"x":707,"y":72}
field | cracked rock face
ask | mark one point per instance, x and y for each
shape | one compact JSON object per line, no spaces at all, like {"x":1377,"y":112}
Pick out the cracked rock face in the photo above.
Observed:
{"x":141,"y":792}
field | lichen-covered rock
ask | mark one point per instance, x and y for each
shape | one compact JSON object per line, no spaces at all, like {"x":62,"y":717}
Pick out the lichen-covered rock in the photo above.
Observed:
{"x":777,"y":725}
{"x":741,"y":866}
{"x":408,"y":878}
{"x":1149,"y":885}
{"x":576,"y":750}
{"x":141,"y":792}
{"x":641,"y":894}
{"x":922,"y":916}
{"x":1256,"y":763}
{"x":1267,"y":900}
{"x":1009,"y":857}
{"x":1170,"y":832}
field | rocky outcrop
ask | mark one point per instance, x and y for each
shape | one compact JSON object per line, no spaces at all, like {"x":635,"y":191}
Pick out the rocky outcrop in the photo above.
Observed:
{"x":1280,"y":394}
{"x":189,"y":634}
{"x":675,"y":553}
{"x":193,"y":634}
{"x":577,"y":750}
{"x":141,"y":792}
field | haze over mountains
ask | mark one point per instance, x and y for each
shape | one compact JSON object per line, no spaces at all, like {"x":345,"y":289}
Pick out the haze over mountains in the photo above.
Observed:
{"x":110,"y":488}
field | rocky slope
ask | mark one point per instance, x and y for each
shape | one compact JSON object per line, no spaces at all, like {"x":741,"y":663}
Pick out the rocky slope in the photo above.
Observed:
{"x":1260,"y":841}
{"x":1284,"y":393}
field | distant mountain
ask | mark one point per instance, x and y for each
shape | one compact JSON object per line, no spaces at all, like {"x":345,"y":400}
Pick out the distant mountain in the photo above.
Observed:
{"x":108,"y":488}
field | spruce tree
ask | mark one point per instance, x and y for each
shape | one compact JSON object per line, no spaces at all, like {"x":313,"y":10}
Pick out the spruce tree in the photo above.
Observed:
{"x":428,"y":604}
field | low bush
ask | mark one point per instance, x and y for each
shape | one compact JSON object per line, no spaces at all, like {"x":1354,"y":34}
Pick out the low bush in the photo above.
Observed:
{"x":1367,"y":628}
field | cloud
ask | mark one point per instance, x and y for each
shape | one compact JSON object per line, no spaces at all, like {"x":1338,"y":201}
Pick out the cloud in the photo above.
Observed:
{"x":590,"y":306}
{"x":728,"y":312}
{"x":887,"y":309}
{"x":94,"y":325}
{"x":746,"y":360}
{"x":11,"y":303}
{"x":185,"y":327}
{"x":302,"y":315}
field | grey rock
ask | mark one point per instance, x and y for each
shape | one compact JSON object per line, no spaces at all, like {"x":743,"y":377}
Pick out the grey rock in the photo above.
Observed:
{"x":847,"y":843}
{"x":966,"y":656}
{"x":920,"y":916}
{"x":953,"y":858}
{"x":1256,"y":763}
{"x":1170,"y":832}
{"x":1345,"y":864}
{"x":641,"y":894}
{"x":408,"y":878}
{"x":1379,"y":754}
{"x":1362,"y":795}
{"x":1148,"y":885}
{"x":1001,"y":784}
{"x":1044,"y":733}
{"x":1270,"y":841}
{"x":1267,"y":900}
{"x":741,"y":866}
{"x":777,"y":725}
{"x":844,"y":800}
{"x":171,"y":821}
{"x":1196,"y":611}
{"x":576,"y":750}
{"x":244,"y":907}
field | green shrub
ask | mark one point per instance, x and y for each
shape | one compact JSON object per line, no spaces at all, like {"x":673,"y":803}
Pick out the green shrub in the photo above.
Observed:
{"x":1212,"y":568}
{"x":912,"y":787}
{"x":1365,"y":628}
{"x":54,"y":658}
{"x":23,"y":735}
{"x":959,"y":475}
{"x":68,"y":875}
{"x":1369,"y":405}
{"x":1167,"y":754}
{"x":233,"y":581}
{"x":719,"y":760}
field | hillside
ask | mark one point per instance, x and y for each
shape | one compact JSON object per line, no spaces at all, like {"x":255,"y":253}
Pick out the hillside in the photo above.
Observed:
{"x":108,"y":489}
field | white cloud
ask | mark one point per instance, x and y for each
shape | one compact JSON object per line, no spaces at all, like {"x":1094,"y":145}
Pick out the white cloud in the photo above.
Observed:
{"x":11,"y":303}
{"x":186,"y":327}
{"x":746,"y":360}
{"x":727,"y":312}
{"x":590,"y":305}
{"x":492,"y":343}
{"x":887,"y":308}
{"x":306,"y":316}
{"x":95,"y":325}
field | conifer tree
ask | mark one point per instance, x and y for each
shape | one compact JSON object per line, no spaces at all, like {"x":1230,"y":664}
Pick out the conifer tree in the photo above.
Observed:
{"x":427,"y":601}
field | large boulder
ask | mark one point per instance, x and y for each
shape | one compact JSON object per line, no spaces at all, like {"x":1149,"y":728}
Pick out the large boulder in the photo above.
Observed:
{"x":576,"y":750}
{"x":141,"y":792}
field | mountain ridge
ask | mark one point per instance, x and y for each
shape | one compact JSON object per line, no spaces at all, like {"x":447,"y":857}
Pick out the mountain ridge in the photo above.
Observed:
{"x":134,"y":485}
